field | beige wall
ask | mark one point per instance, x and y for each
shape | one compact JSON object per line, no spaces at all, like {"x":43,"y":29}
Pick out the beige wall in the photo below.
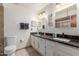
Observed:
{"x":1,"y":30}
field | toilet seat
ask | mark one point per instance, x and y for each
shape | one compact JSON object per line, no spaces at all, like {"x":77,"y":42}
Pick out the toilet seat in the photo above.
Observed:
{"x":10,"y":49}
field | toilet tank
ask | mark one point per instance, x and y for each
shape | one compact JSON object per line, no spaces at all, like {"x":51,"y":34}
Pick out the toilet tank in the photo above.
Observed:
{"x":10,"y":40}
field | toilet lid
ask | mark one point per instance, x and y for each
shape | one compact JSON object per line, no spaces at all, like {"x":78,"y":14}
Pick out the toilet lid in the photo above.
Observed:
{"x":11,"y":47}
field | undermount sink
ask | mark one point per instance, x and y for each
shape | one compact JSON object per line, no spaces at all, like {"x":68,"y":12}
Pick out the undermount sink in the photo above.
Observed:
{"x":62,"y":39}
{"x":38,"y":34}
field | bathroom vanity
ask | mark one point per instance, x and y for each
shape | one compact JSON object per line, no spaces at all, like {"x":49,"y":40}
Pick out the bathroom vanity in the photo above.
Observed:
{"x":49,"y":46}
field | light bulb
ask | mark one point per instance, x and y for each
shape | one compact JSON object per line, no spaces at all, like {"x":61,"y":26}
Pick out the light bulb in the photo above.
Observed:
{"x":58,"y":6}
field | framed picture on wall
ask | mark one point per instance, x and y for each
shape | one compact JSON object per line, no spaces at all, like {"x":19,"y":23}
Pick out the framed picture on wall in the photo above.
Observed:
{"x":50,"y":23}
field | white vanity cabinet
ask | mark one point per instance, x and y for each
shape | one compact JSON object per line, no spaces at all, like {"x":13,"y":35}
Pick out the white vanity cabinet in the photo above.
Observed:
{"x":61,"y":53}
{"x":65,"y":50}
{"x":42,"y":46}
{"x":50,"y":48}
{"x":36,"y":43}
{"x":39,"y":41}
{"x":32,"y":41}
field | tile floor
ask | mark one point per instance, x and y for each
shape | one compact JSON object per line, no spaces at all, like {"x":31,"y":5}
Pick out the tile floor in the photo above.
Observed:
{"x":27,"y":52}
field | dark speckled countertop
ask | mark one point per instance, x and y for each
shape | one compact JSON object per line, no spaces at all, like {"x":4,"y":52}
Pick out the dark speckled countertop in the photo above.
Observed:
{"x":71,"y":43}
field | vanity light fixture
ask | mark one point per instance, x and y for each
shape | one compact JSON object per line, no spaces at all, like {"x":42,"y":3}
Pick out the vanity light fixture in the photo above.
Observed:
{"x":58,"y":5}
{"x":42,"y":15}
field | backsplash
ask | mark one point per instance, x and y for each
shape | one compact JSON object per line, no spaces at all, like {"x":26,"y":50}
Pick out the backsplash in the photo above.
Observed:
{"x":68,"y":36}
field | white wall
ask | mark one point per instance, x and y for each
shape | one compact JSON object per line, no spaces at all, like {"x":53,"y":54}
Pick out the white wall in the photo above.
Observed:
{"x":13,"y":15}
{"x":48,"y":9}
{"x":34,"y":18}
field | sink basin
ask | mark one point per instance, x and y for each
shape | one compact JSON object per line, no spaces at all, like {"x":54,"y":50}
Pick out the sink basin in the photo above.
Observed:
{"x":62,"y":39}
{"x":37,"y":34}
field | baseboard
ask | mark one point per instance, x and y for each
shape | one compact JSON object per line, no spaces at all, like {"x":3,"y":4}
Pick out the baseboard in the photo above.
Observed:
{"x":37,"y":51}
{"x":23,"y":48}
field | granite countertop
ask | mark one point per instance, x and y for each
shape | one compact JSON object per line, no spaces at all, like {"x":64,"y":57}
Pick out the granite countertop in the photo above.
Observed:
{"x":70,"y":43}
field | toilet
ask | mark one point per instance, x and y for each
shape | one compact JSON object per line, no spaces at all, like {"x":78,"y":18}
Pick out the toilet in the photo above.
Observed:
{"x":10,"y":47}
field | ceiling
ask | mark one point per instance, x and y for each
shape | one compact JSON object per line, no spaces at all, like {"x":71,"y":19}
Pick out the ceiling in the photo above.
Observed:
{"x":33,"y":7}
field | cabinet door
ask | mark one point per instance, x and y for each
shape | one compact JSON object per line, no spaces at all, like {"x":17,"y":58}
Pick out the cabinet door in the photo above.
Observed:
{"x":42,"y":46}
{"x":50,"y":48}
{"x":36,"y":42}
{"x":32,"y":41}
{"x":49,"y":51}
{"x":60,"y":52}
{"x":39,"y":43}
{"x":67,"y":50}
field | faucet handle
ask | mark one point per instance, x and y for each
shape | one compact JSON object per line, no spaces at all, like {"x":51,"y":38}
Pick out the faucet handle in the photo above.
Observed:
{"x":63,"y":35}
